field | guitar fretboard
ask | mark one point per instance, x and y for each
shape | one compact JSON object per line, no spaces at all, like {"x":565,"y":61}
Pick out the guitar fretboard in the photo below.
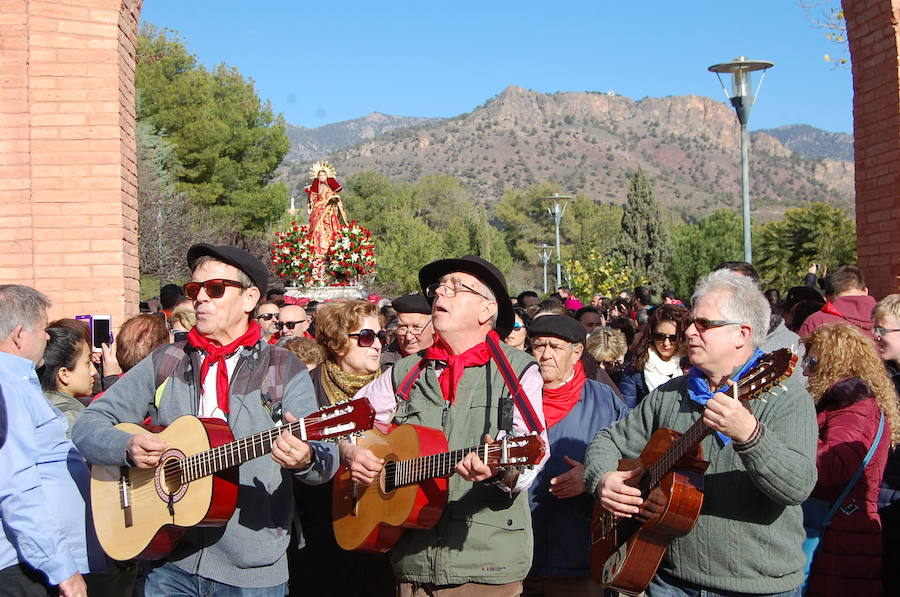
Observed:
{"x":415,"y":470}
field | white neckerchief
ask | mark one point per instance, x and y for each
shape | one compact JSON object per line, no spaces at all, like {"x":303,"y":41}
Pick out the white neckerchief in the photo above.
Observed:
{"x":658,"y":371}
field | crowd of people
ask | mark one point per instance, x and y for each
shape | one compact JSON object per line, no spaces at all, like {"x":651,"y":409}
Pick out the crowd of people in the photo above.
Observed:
{"x":594,"y":380}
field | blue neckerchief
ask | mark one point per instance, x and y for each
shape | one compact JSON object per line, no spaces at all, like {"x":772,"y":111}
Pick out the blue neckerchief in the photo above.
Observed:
{"x":698,"y":387}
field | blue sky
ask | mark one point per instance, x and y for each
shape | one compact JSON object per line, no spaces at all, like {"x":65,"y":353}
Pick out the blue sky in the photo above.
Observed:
{"x":323,"y":62}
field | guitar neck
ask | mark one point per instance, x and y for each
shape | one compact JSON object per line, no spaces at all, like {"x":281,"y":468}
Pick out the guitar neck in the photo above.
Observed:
{"x":682,"y":446}
{"x":415,"y":470}
{"x":237,"y":452}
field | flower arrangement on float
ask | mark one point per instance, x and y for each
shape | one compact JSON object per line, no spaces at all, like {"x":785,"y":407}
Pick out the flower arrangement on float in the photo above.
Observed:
{"x":350,"y":255}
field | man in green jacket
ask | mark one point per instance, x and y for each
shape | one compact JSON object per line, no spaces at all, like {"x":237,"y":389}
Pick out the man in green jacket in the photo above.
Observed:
{"x":482,"y":544}
{"x":762,"y":455}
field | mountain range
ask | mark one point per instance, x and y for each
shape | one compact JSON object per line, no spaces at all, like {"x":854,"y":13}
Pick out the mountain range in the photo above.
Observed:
{"x":588,"y":143}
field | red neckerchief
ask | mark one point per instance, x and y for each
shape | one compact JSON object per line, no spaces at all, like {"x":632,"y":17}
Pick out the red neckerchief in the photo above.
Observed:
{"x":457,"y":363}
{"x":217,"y":354}
{"x":273,"y":339}
{"x":829,"y":308}
{"x":559,"y":401}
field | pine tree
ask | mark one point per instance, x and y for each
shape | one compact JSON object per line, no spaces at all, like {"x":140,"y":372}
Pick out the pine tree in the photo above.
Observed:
{"x":643,"y":245}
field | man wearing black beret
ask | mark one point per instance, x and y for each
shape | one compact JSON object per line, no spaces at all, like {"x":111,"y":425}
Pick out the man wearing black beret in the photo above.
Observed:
{"x":575,"y":408}
{"x":224,"y":370}
{"x":482,"y":543}
{"x":414,"y":331}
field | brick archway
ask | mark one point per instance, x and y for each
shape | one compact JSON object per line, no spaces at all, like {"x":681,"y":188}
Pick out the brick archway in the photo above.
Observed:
{"x":872,"y":28}
{"x":68,"y":174}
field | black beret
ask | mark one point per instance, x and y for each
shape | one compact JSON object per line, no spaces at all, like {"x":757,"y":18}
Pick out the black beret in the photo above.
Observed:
{"x":239,"y":258}
{"x":560,"y":326}
{"x":411,"y":303}
{"x":485,"y":271}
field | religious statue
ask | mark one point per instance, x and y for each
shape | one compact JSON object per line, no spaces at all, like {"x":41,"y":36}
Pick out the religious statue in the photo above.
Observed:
{"x":324,"y":206}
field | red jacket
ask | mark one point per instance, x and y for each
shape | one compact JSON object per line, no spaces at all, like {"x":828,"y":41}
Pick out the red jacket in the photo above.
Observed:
{"x":848,"y":561}
{"x":851,"y":309}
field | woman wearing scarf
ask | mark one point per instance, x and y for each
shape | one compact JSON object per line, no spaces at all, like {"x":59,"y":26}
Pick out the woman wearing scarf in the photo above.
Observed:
{"x":656,"y":353}
{"x":575,"y":408}
{"x":352,"y":336}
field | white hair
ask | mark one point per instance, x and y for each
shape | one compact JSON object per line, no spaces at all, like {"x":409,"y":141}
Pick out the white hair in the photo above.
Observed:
{"x":741,"y":301}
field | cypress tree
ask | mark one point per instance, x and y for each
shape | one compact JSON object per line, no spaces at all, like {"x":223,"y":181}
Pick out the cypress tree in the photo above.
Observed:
{"x":643,"y":245}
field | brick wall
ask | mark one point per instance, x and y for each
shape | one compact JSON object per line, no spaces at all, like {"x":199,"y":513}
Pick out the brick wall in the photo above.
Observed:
{"x":68,"y":222}
{"x":872,"y":28}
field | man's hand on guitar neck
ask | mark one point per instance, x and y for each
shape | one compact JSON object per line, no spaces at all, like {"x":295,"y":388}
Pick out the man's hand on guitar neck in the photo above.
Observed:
{"x":617,"y":496}
{"x":290,"y":451}
{"x":362,"y":463}
{"x":730,"y":416}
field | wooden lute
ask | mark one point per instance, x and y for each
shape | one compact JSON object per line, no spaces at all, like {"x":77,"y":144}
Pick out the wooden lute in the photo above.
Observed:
{"x":626,"y":552}
{"x":143,"y":512}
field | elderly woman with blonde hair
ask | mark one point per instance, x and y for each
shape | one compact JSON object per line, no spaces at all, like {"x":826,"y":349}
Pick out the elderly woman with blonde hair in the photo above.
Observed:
{"x":351,"y":336}
{"x":853,"y":394}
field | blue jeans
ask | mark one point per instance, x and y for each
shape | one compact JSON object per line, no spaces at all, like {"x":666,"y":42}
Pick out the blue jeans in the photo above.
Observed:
{"x":171,"y":581}
{"x":669,"y":587}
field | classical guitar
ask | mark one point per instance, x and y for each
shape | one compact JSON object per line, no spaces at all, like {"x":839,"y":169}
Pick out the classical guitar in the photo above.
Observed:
{"x":411,"y":490}
{"x":143,"y":512}
{"x":625,"y":552}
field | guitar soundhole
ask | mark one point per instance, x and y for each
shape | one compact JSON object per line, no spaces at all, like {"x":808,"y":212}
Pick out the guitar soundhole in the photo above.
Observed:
{"x":168,"y":476}
{"x":387,"y":479}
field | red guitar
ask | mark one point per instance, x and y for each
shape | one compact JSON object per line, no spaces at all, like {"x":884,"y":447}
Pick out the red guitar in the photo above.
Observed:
{"x":143,"y":512}
{"x":625,"y":552}
{"x":411,"y":491}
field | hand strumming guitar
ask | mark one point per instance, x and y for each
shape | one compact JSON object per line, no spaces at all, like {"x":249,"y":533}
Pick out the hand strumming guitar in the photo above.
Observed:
{"x":362,"y":463}
{"x":618,"y":497}
{"x":145,"y":449}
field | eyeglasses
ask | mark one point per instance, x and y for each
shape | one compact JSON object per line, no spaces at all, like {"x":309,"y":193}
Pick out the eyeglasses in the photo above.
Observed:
{"x":280,"y":325}
{"x":880,"y":331}
{"x":810,"y":363}
{"x":366,"y":338}
{"x":518,"y":326}
{"x":215,"y":288}
{"x":416,"y":330}
{"x":267,"y":316}
{"x":660,"y":337}
{"x":451,"y":290}
{"x":702,"y":324}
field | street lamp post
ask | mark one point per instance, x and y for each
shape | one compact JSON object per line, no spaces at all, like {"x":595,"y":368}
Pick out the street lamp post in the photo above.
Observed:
{"x":544,"y":253}
{"x":741,"y":100}
{"x":556,"y":211}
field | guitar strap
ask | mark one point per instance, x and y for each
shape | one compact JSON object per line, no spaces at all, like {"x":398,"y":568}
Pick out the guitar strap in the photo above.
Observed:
{"x":519,"y":399}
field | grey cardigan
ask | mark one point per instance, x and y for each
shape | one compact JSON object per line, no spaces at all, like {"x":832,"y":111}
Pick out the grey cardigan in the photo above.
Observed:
{"x":250,"y":550}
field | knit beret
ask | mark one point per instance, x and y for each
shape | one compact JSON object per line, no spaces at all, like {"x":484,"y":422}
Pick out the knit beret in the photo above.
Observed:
{"x":560,"y":326}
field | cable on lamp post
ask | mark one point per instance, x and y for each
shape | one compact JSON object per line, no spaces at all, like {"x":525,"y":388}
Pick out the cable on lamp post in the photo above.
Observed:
{"x":741,"y":100}
{"x":556,"y":211}
{"x":544,"y":253}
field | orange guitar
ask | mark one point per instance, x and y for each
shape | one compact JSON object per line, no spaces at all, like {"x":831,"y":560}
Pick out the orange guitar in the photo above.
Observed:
{"x":625,"y":552}
{"x":411,"y":490}
{"x":143,"y":512}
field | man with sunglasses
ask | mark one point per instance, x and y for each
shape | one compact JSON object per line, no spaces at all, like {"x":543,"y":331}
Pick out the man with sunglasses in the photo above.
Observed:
{"x":266,"y":315}
{"x":224,"y":370}
{"x":293,"y":322}
{"x":460,"y":384}
{"x":762,"y":455}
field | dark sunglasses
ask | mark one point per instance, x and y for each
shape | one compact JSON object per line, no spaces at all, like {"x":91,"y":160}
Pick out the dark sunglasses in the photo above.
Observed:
{"x":660,"y":337}
{"x":810,"y":363}
{"x":702,"y":324}
{"x":366,"y":338}
{"x":280,"y":325}
{"x":215,"y":288}
{"x":267,"y":316}
{"x":517,"y":326}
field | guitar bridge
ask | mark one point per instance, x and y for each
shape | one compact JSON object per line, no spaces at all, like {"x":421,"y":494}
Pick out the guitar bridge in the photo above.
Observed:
{"x":125,"y":495}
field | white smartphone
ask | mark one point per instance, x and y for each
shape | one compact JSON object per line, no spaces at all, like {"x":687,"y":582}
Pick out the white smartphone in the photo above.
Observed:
{"x":101,"y":331}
